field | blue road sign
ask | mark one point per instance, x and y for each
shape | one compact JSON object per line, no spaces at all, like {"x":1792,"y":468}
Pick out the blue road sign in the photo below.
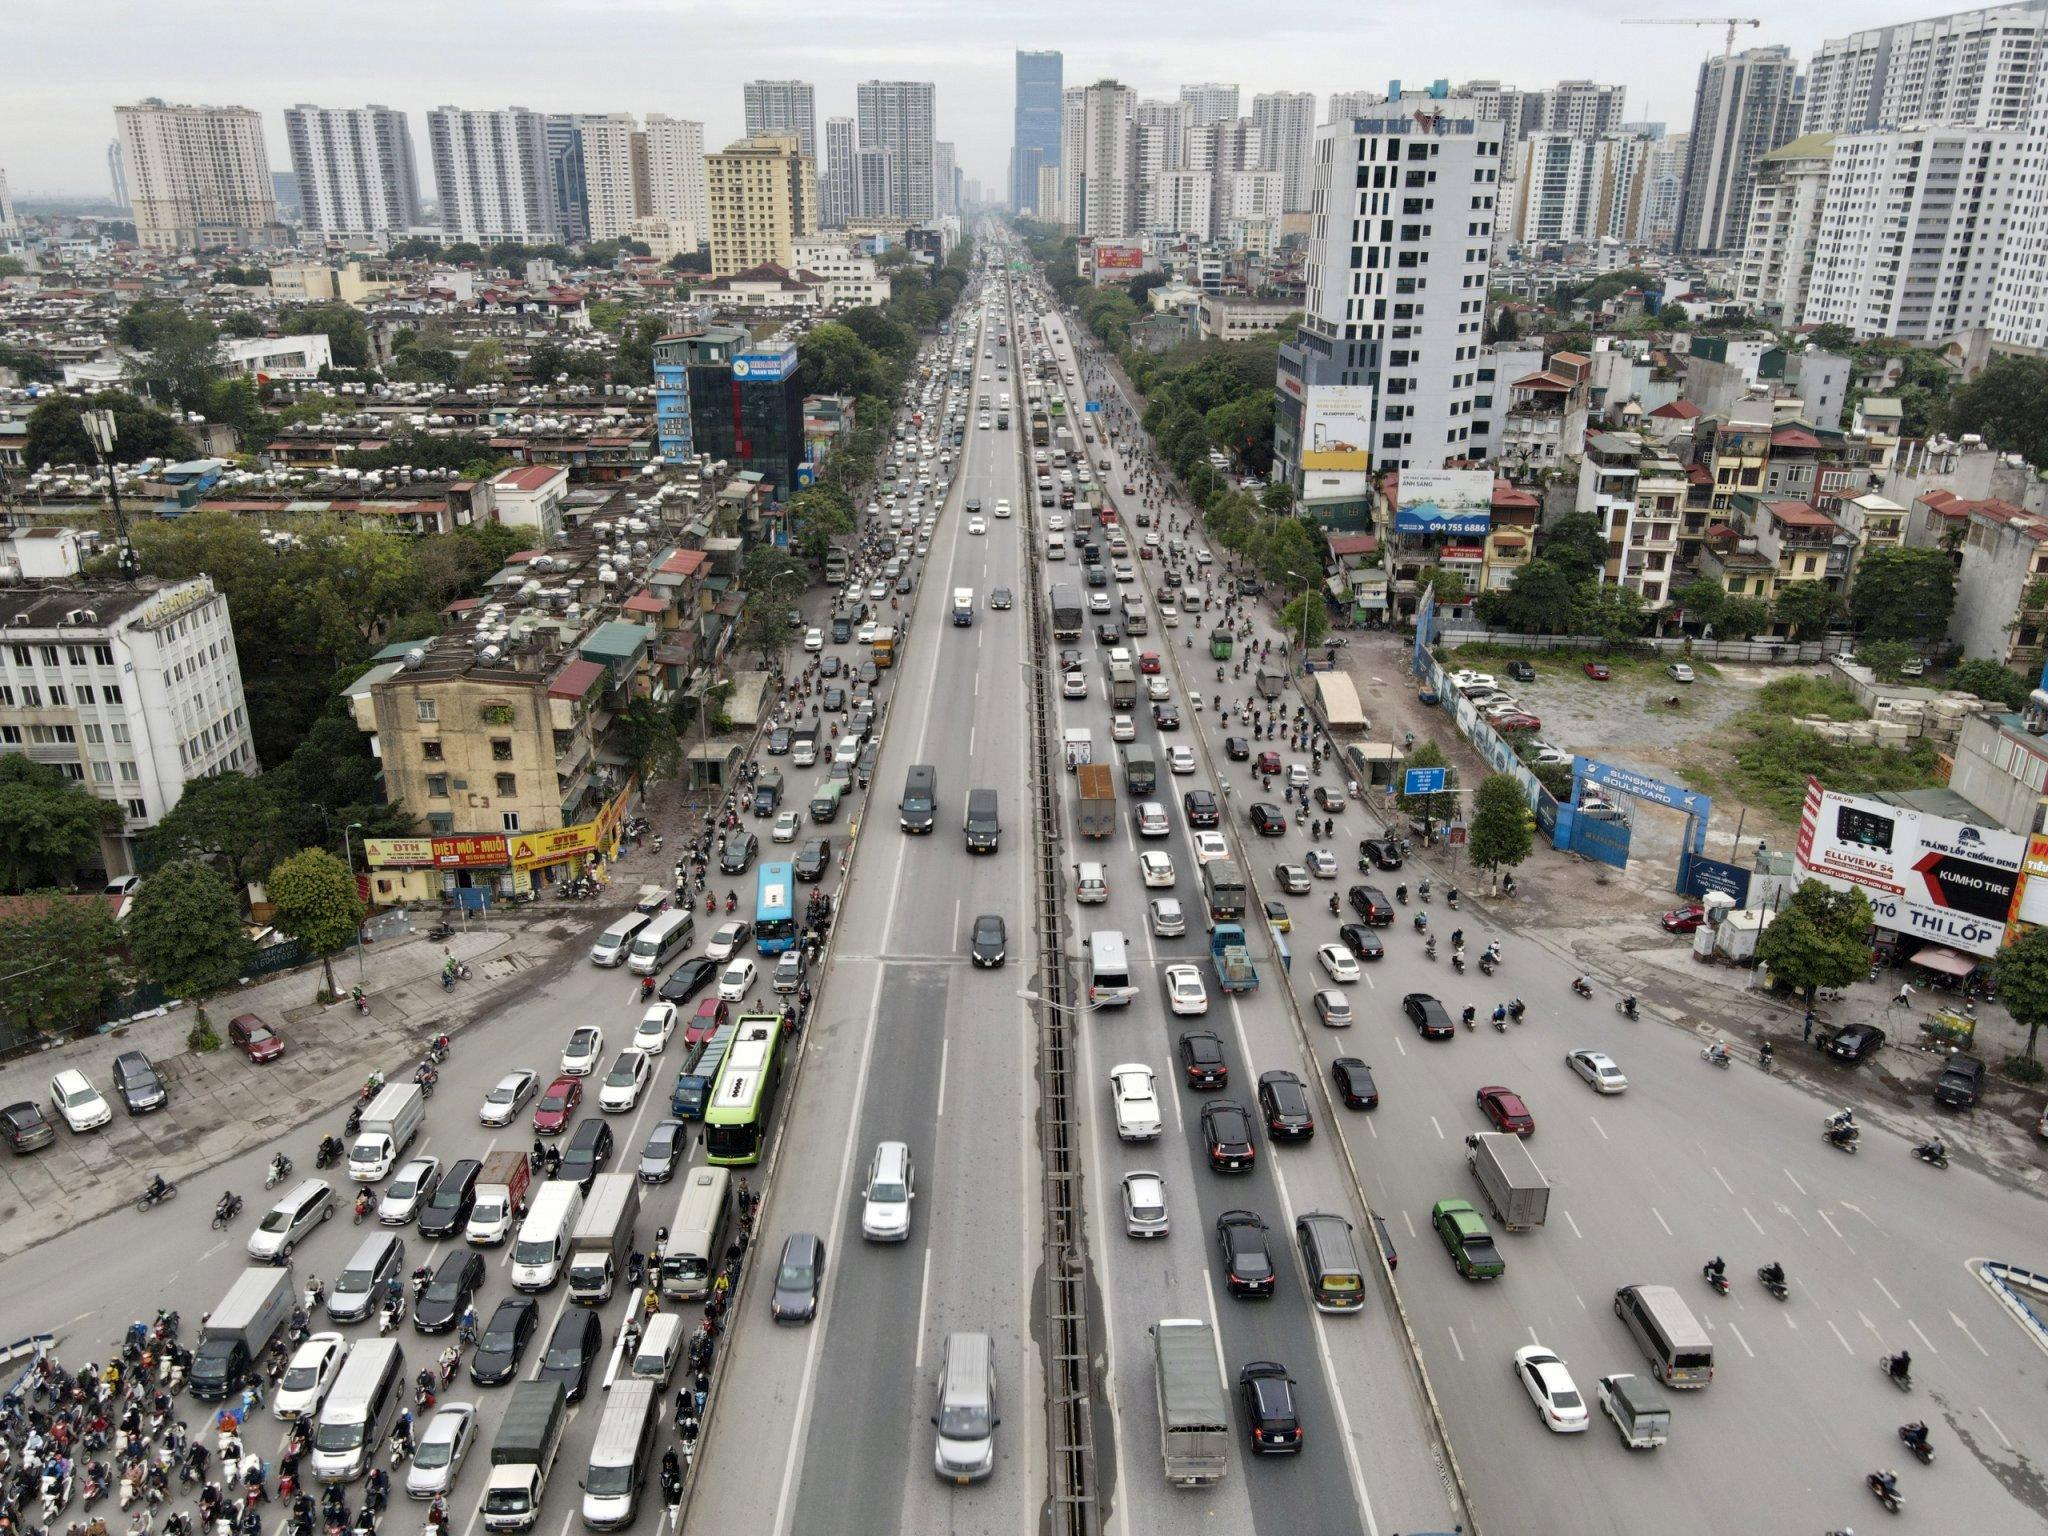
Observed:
{"x":1423,"y":781}
{"x":1094,"y":405}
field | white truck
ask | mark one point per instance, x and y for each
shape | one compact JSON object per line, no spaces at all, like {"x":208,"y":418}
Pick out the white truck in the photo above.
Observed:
{"x":603,"y":1237}
{"x":388,"y":1127}
{"x":543,"y":1240}
{"x":1194,"y":1413}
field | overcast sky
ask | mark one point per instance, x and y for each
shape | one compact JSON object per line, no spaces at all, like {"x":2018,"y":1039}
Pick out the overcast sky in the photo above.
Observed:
{"x":65,"y":63}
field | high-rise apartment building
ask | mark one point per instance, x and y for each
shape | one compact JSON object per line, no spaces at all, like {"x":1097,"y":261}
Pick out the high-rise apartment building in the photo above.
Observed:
{"x":1401,"y":212}
{"x":1578,"y":108}
{"x":783,"y":106}
{"x":1248,"y":195}
{"x":492,"y":171}
{"x":199,"y":176}
{"x":1912,"y":229}
{"x":616,"y":173}
{"x":1183,"y":203}
{"x":899,"y":116}
{"x":1345,"y":105}
{"x":117,"y":172}
{"x":9,"y":228}
{"x":1035,"y":139}
{"x":874,"y":183}
{"x":1784,"y":222}
{"x":356,"y":169}
{"x":835,"y":185}
{"x":1231,"y":145}
{"x":1157,"y":146}
{"x":945,"y":178}
{"x":568,"y":192}
{"x":1664,"y":184}
{"x":1572,"y":189}
{"x":1746,"y":105}
{"x":1976,"y":67}
{"x":676,"y":187}
{"x":763,"y":200}
{"x":1286,"y":122}
{"x":1209,"y":102}
{"x":1099,"y":152}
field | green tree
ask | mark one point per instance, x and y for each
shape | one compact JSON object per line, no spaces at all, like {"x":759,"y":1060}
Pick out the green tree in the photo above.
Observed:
{"x":50,"y":825}
{"x":1507,"y":325}
{"x":835,"y":360}
{"x":1673,"y":315}
{"x":645,"y":734}
{"x":2022,"y":972}
{"x":316,"y":902}
{"x":633,"y":359}
{"x":230,"y":821}
{"x":242,"y":326}
{"x":1903,"y":594}
{"x":184,"y":361}
{"x":237,"y":403}
{"x":59,"y":960}
{"x":1310,"y":609}
{"x":1576,"y":544}
{"x":348,"y":337}
{"x":1449,"y":585}
{"x":1807,"y":606}
{"x":1820,"y":938}
{"x":1437,"y":808}
{"x":1832,"y":338}
{"x":819,"y":515}
{"x":1538,"y":603}
{"x":1502,"y":827}
{"x":485,"y":364}
{"x":545,"y":361}
{"x":12,"y":266}
{"x":1278,"y":498}
{"x":56,"y":431}
{"x":185,"y":931}
{"x":1988,"y":680}
{"x":2006,"y":404}
{"x":426,"y":364}
{"x":1609,"y":610}
{"x":1885,"y":658}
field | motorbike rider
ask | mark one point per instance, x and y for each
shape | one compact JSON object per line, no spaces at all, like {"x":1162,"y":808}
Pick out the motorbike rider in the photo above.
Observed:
{"x":1717,"y":1052}
{"x":1582,"y":985}
{"x":1333,"y":904}
{"x":1628,"y":1005}
{"x":1842,"y":1120}
{"x":224,"y":1207}
{"x":157,"y":1186}
{"x":1915,"y":1435}
{"x":1900,"y":1366}
{"x":1764,"y":1052}
{"x":1421,"y":921}
{"x":362,"y":1204}
{"x":1429,"y":946}
{"x":1716,"y":1268}
{"x":1888,"y":1480}
{"x":1933,"y":1150}
{"x":1772,"y":1273}
{"x":280,"y":1165}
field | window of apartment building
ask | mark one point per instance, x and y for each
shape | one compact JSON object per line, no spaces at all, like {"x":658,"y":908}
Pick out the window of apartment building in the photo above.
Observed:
{"x":7,"y":696}
{"x":128,"y":773}
{"x":31,"y":696}
{"x":437,"y":786}
{"x":73,"y":771}
{"x":94,"y":735}
{"x":508,"y":785}
{"x":102,"y":773}
{"x":110,"y":693}
{"x":137,"y":810}
{"x":511,"y":820}
{"x":22,"y":657}
{"x":75,"y":654}
{"x":49,"y":655}
{"x":103,"y":655}
{"x":85,"y":693}
{"x":425,"y":709}
{"x":118,"y":733}
{"x":431,"y":751}
{"x":10,"y":735}
{"x":58,"y":698}
{"x":501,"y":749}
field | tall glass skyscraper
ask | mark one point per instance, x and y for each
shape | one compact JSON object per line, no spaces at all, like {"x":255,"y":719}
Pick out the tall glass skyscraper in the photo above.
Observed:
{"x":1037,"y":136}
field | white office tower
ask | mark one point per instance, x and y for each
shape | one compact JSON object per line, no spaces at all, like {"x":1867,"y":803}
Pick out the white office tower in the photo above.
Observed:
{"x":1784,"y":222}
{"x":783,"y":107}
{"x":199,"y":176}
{"x":617,"y":173}
{"x":1664,"y":190}
{"x":1976,"y":67}
{"x":1184,"y":204}
{"x":1575,"y":190}
{"x":1098,"y":152}
{"x":1348,"y":104}
{"x":1287,"y":123}
{"x":1401,"y":213}
{"x":491,"y":171}
{"x":676,"y":182}
{"x":898,"y":116}
{"x":1913,"y":228}
{"x":356,"y":170}
{"x":1745,"y":105}
{"x":835,"y":185}
{"x":1209,"y":102}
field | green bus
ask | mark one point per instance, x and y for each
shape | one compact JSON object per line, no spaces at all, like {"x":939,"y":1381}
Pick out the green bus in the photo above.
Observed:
{"x":736,"y":1121}
{"x":1058,"y":406}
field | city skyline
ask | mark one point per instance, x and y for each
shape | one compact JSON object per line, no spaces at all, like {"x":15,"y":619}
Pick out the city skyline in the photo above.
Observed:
{"x":56,"y":117}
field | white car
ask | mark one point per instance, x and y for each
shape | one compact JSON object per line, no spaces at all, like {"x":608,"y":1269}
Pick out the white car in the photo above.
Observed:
{"x":1098,"y":602}
{"x":787,"y":825}
{"x":737,"y":981}
{"x":1321,"y":863}
{"x":1122,"y":728}
{"x":410,"y":1188}
{"x":1184,"y":990}
{"x":1056,"y":524}
{"x":727,"y":938}
{"x":1074,"y":685}
{"x":504,"y":1101}
{"x":580,"y":1055}
{"x":313,"y":1367}
{"x":814,"y":639}
{"x":1002,"y":506}
{"x":655,"y":1026}
{"x":1156,"y":868}
{"x":622,"y":1085}
{"x":1151,"y":819}
{"x":1337,"y":962}
{"x":1598,"y":1069}
{"x":866,"y":634}
{"x":1209,"y":847}
{"x":1156,"y":689}
{"x":1144,"y":1204}
{"x":442,"y":1447}
{"x":983,"y":424}
{"x":1137,"y":1105}
{"x":1168,"y":921}
{"x":1679,"y":672}
{"x":1180,"y":759}
{"x":78,"y":1101}
{"x":1551,"y":1389}
{"x":976,"y":525}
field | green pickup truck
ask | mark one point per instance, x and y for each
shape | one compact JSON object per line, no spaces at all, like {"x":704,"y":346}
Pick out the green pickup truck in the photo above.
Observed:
{"x":1467,"y":1240}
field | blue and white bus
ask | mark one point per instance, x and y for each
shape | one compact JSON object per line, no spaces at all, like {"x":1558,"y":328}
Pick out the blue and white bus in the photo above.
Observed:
{"x":775,"y":910}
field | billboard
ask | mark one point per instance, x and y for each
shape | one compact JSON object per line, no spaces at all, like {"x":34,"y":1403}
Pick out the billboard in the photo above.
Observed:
{"x":1119,"y":258}
{"x":1445,"y":501}
{"x":1943,"y":881}
{"x":1336,"y":427}
{"x":765,"y":367}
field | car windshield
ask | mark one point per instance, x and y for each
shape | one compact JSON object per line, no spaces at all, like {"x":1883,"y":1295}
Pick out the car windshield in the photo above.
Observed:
{"x":884,"y":1192}
{"x":504,"y":1093}
{"x":444,"y":1291}
{"x":275,"y":1221}
{"x":449,"y":1196}
{"x":623,"y":1075}
{"x":1566,"y":1399}
{"x":434,"y":1452}
{"x":583,"y":1042}
{"x":794,"y":1275}
{"x":958,"y":1422}
{"x":299,"y":1377}
{"x":565,"y":1356}
{"x":79,"y":1095}
{"x":499,"y":1338}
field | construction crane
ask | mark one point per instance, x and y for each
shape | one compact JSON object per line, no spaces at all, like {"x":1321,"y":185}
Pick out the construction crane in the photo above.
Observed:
{"x":1730,"y":22}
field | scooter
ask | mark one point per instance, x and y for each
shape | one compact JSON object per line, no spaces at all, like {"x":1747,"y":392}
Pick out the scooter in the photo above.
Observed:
{"x":1920,"y":1446}
{"x":1777,"y":1288}
{"x":1627,"y":1008}
{"x":1931,"y":1154}
{"x":1843,"y":1136}
{"x":1581,"y":986}
{"x":1716,"y":1279}
{"x":1718,"y":1055}
{"x":1887,"y":1495}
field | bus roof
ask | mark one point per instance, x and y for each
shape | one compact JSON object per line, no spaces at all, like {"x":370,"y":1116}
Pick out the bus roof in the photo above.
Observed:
{"x":774,"y":896}
{"x":736,"y":1098}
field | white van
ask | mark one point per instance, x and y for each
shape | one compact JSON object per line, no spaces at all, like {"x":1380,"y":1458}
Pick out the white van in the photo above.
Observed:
{"x":661,"y":941}
{"x":611,"y":946}
{"x":543,"y":1240}
{"x":359,"y":1410}
{"x":1109,"y":970}
{"x":621,"y":1455}
{"x":696,"y":1237}
{"x":654,"y":1358}
{"x":1055,"y":546}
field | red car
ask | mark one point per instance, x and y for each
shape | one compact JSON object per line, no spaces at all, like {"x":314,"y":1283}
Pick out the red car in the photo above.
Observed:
{"x":1148,"y":661}
{"x":710,"y":1014}
{"x":1597,"y":670}
{"x":1504,"y":1107}
{"x":1513,"y":721}
{"x":551,"y":1114}
{"x":1269,"y":762}
{"x":1683,"y":919}
{"x":254,"y":1038}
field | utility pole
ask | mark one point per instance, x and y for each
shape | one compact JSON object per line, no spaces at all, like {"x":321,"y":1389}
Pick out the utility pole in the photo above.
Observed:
{"x":100,"y":430}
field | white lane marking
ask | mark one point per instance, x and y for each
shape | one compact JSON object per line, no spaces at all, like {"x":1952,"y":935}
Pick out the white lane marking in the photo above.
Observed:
{"x":1837,"y":1231}
{"x":924,"y":1301}
{"x":1724,"y":1180}
{"x":1439,"y":1128}
{"x":1600,"y":1128}
{"x":1921,"y":1336}
{"x":1454,"y":1342}
{"x":1573,"y":1225}
{"x":940,"y":1113}
{"x":1742,"y":1341}
{"x":1754,"y":1222}
{"x":1969,"y":1335}
{"x":1410,"y":1220}
{"x":1847,"y":1348}
{"x":798,"y":1420}
{"x":1994,"y":1427}
{"x":1795,"y":1182}
{"x":1662,"y":1222}
{"x":1888,"y":1296}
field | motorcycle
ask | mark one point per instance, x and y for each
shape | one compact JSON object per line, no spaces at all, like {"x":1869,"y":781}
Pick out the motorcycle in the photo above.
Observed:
{"x":426,"y":1077}
{"x":315,"y":1294}
{"x":1902,"y":1380}
{"x":362,"y":1206}
{"x":1717,"y":1054}
{"x":1918,"y":1443}
{"x":155,"y":1196}
{"x":1458,"y":961}
{"x":1429,"y":949}
{"x":1487,"y":965}
{"x":1777,"y":1288}
{"x":1843,"y":1136}
{"x":438,"y":1049}
{"x":1627,"y":1008}
{"x":329,"y":1153}
{"x":1716,"y":1279}
{"x":1886,"y":1490}
{"x":390,"y":1315}
{"x":439,"y":932}
{"x":1581,"y":986}
{"x":1932,"y":1153}
{"x":1516,"y":1009}
{"x":227,"y":1210}
{"x":280,"y":1170}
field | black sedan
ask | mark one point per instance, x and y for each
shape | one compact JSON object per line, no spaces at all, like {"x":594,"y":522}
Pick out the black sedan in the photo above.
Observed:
{"x":1227,"y":1134}
{"x":1362,"y":941}
{"x":1855,"y":1043}
{"x":798,"y":1278}
{"x":688,"y":979}
{"x":1355,"y":1086}
{"x":1428,"y":1016}
{"x":450,"y":1292}
{"x":1201,"y":1057}
{"x":573,"y":1348}
{"x":1269,"y":1411}
{"x":1268,"y":820}
{"x":738,"y":854}
{"x":1384,"y":852}
{"x":503,"y":1346}
{"x":448,"y":1212}
{"x":814,"y":858}
{"x":829,"y":666}
{"x":990,"y":944}
{"x":588,"y":1151}
{"x":1247,"y":1257}
{"x":1372,"y":904}
{"x":1166,"y":717}
{"x":1107,"y":633}
{"x":1283,"y":1099}
{"x":834,"y":700}
{"x":1237,"y":748}
{"x":779,"y":741}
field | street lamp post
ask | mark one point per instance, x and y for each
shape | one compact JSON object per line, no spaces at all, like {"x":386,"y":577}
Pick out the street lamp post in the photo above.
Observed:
{"x":348,"y":849}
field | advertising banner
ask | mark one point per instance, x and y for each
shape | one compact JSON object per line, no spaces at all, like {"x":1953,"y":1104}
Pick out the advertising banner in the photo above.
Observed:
{"x":531,"y":850}
{"x":1336,"y":428}
{"x":1935,"y":879}
{"x":399,"y":852}
{"x":485,"y":851}
{"x":1119,"y":258}
{"x":765,"y":367}
{"x":1456,"y":501}
{"x":2034,"y":894}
